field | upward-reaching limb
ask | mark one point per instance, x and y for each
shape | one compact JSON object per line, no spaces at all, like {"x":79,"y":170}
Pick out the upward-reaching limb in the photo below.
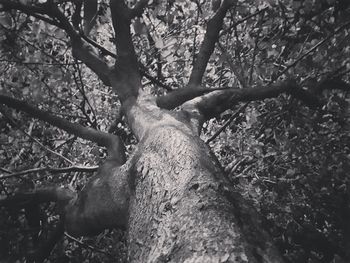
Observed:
{"x":207,"y":47}
{"x":126,"y":78}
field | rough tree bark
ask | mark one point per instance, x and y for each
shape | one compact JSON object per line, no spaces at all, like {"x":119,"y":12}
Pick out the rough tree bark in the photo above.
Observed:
{"x":182,"y":208}
{"x":171,"y":195}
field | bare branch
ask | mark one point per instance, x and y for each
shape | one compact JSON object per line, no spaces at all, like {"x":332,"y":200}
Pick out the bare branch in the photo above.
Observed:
{"x":227,"y":123}
{"x":86,"y":245}
{"x":234,"y":68}
{"x":310,"y":51}
{"x":111,"y":142}
{"x":52,"y":170}
{"x":207,"y":47}
{"x":224,"y":32}
{"x":16,"y":125}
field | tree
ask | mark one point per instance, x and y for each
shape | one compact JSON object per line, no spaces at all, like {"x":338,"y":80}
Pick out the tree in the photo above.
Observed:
{"x":171,"y":195}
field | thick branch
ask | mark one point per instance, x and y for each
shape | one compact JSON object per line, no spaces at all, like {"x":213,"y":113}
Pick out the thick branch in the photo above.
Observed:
{"x":178,"y":97}
{"x":111,"y":142}
{"x":37,"y":196}
{"x":333,"y":83}
{"x":218,"y":101}
{"x":126,"y":79}
{"x":210,"y":38}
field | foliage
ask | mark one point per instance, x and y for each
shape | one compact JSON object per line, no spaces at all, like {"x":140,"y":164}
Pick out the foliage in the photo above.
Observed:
{"x":290,"y":159}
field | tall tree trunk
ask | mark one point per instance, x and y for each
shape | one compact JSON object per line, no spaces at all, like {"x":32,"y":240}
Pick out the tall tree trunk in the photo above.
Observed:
{"x":183,"y":209}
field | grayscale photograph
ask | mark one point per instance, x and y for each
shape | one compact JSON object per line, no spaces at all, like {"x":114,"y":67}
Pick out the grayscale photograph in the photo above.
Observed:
{"x":175,"y":131}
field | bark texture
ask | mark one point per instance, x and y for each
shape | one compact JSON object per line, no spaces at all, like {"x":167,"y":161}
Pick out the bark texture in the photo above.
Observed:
{"x":182,"y":209}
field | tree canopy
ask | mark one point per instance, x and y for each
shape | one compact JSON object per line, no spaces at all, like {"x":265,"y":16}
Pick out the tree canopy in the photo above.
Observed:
{"x":267,"y":81}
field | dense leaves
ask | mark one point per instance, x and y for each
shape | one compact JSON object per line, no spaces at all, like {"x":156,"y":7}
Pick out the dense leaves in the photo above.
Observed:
{"x":292,"y":160}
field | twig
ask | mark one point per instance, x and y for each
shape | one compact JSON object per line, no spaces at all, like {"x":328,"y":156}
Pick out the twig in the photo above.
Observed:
{"x":48,"y":149}
{"x":81,"y":89}
{"x":233,"y":116}
{"x":97,"y":45}
{"x":309,"y":52}
{"x":238,"y":75}
{"x":36,"y":63}
{"x":51,"y":170}
{"x":86,"y":245}
{"x":15,"y":124}
{"x":242,"y":21}
{"x":255,"y":49}
{"x":195,"y":34}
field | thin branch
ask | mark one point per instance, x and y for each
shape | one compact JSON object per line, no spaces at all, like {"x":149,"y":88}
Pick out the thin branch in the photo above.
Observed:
{"x":311,"y":50}
{"x":86,"y":245}
{"x":37,"y":63}
{"x":47,"y":148}
{"x":238,"y":75}
{"x":224,"y":32}
{"x":255,"y":50}
{"x":143,"y":71}
{"x":103,"y":50}
{"x":85,"y":98}
{"x":53,"y":170}
{"x":15,"y":124}
{"x":194,"y":50}
{"x":227,"y":123}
